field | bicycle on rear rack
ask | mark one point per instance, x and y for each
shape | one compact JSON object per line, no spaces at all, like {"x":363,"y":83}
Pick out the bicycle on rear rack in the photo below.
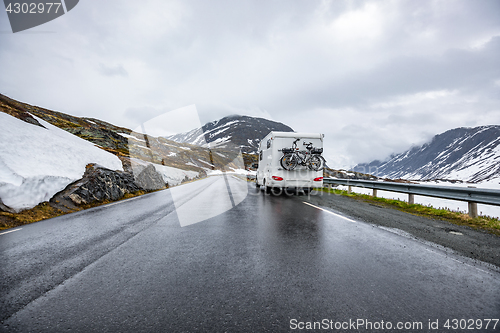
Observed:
{"x":311,"y":157}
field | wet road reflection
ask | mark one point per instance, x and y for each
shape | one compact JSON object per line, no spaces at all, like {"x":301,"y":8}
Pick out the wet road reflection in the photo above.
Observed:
{"x":256,"y":267}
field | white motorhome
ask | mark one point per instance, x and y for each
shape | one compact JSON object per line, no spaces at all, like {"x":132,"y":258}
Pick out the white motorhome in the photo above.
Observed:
{"x":270,"y":172}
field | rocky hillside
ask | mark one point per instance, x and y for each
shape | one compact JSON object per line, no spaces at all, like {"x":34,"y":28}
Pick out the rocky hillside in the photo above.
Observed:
{"x":103,"y":134}
{"x":230,"y":132}
{"x":123,"y":142}
{"x":66,"y":161}
{"x":468,"y":154}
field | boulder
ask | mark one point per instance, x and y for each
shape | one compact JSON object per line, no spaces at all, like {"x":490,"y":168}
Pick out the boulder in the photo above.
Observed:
{"x":98,"y":184}
{"x":149,"y":179}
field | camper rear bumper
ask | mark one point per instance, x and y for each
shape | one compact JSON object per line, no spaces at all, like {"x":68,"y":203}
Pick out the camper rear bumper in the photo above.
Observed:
{"x":297,"y":184}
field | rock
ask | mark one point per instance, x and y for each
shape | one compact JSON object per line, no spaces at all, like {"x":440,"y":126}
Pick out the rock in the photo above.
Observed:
{"x":98,"y":184}
{"x":149,"y":179}
{"x":5,"y":208}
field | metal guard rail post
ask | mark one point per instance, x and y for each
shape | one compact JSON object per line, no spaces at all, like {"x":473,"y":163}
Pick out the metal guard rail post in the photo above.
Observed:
{"x":472,"y":195}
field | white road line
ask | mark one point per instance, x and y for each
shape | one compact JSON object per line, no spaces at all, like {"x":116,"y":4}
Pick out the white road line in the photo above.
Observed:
{"x":6,"y":232}
{"x":343,"y":217}
{"x":122,"y":201}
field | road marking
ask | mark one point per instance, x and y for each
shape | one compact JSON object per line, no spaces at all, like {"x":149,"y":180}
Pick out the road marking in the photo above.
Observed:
{"x":121,"y":201}
{"x":402,"y":235}
{"x":6,"y":232}
{"x":343,"y":217}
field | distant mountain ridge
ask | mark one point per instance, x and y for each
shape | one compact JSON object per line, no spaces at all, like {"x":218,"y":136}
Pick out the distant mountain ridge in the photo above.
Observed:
{"x":468,"y":154}
{"x":243,"y":132}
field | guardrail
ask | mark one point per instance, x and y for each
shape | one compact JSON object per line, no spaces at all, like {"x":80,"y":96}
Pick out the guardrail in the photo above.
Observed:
{"x":470,"y":194}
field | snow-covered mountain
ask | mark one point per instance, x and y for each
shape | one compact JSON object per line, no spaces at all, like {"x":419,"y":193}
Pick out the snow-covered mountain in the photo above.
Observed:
{"x":233,"y":131}
{"x":468,"y":154}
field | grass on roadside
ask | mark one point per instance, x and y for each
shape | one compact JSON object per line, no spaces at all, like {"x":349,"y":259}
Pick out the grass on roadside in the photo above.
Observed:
{"x":40,"y":212}
{"x":45,"y":211}
{"x":487,"y":223}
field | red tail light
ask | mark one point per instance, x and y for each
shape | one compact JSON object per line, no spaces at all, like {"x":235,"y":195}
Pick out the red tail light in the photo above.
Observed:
{"x":318,"y":179}
{"x":277,"y":178}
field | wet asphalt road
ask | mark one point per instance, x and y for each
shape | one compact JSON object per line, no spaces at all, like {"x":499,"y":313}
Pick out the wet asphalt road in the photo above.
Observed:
{"x":264,"y":265}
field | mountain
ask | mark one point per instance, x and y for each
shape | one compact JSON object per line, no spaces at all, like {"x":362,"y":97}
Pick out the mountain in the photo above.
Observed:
{"x":467,"y":154}
{"x":233,"y":131}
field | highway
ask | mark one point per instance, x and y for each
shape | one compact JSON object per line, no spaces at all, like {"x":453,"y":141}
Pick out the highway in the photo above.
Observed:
{"x":218,"y":255}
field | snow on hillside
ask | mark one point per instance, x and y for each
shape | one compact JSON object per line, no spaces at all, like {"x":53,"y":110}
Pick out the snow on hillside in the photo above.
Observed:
{"x":36,"y":162}
{"x":462,"y":206}
{"x":172,"y":176}
{"x":468,"y":154}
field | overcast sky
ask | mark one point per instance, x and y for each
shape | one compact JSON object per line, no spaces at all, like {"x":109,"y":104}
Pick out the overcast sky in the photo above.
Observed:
{"x":376,"y":77}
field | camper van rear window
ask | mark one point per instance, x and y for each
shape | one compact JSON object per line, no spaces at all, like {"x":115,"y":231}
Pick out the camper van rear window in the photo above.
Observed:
{"x":268,"y":143}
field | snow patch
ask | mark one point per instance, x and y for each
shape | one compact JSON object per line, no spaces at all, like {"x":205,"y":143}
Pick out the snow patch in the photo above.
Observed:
{"x":462,"y":206}
{"x":36,"y":162}
{"x":220,"y":141}
{"x":209,"y":164}
{"x":128,"y":136}
{"x":211,"y":135}
{"x":172,"y":176}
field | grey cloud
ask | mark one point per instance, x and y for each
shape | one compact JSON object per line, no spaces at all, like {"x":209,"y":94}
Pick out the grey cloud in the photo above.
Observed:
{"x":139,"y":115}
{"x":282,"y":59}
{"x":116,"y":70}
{"x":456,"y":69}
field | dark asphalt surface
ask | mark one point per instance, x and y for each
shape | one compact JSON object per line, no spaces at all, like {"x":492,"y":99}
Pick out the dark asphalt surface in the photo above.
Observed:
{"x":131,"y":267}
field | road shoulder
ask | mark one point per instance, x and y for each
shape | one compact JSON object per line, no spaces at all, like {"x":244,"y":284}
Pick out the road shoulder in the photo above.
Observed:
{"x":475,"y":244}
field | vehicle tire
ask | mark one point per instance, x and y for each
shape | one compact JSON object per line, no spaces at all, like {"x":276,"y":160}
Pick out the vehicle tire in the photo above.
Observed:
{"x":256,"y":182}
{"x":323,"y":162}
{"x":288,"y":161}
{"x":316,"y":163}
{"x":276,"y":191}
{"x":267,"y":189}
